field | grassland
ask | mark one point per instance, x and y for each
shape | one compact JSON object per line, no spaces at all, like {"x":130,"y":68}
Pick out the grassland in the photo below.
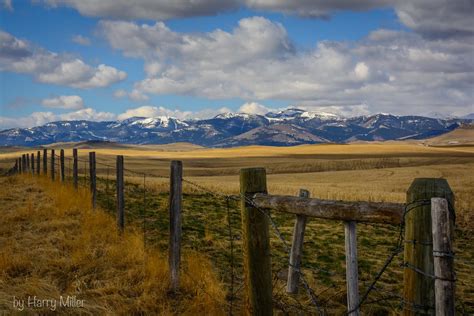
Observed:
{"x":375,"y":171}
{"x":53,"y":244}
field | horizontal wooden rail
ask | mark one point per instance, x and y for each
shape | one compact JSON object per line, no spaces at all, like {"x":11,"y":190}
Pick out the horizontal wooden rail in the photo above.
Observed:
{"x":373,"y":212}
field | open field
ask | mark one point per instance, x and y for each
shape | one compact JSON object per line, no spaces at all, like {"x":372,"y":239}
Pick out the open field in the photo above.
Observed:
{"x":52,"y":244}
{"x":375,"y":172}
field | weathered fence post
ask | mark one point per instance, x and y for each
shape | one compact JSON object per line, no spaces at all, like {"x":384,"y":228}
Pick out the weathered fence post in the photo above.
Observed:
{"x":294,"y":268}
{"x":175,"y":205}
{"x":74,"y":168}
{"x":45,"y":161}
{"x":33,"y":161}
{"x":38,"y":162}
{"x":28,"y":166}
{"x":120,"y":196}
{"x":92,"y":176}
{"x":52,"y":165}
{"x":18,"y":161}
{"x":256,"y":244}
{"x":418,"y":288}
{"x":443,"y":257}
{"x":61,"y":159}
{"x":352,"y":275}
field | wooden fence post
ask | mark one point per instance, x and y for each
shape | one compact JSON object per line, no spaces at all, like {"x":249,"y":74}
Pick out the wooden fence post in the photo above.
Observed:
{"x":92,"y":175}
{"x":38,"y":162}
{"x":52,"y":165}
{"x":256,"y":244}
{"x":294,"y":268}
{"x":45,"y":161}
{"x":352,"y":275}
{"x":175,"y":205}
{"x":61,"y":160}
{"x":33,"y":161}
{"x":28,"y":166}
{"x":19,"y":164}
{"x":443,"y":257}
{"x":418,"y":287}
{"x":120,"y":196}
{"x":74,"y":168}
{"x":23,"y":159}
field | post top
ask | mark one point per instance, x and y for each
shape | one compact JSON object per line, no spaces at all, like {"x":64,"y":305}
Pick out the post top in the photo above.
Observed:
{"x":427,"y":188}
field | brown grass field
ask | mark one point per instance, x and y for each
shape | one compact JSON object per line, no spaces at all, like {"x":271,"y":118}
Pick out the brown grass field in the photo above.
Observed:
{"x":52,"y":244}
{"x":364,"y":171}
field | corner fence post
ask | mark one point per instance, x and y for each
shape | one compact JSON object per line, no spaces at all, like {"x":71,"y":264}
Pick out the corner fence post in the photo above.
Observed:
{"x":296,"y":250}
{"x":443,"y":257}
{"x":92,"y":176}
{"x":256,"y":244}
{"x":52,"y":165}
{"x":175,"y":204}
{"x":38,"y":162}
{"x":74,"y":168}
{"x":352,"y":274}
{"x":418,"y":281}
{"x":120,"y":197}
{"x":33,"y":161}
{"x":45,"y":161}
{"x":61,"y":159}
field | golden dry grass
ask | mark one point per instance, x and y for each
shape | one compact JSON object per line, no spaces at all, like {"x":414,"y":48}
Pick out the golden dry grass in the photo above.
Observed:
{"x":52,"y":243}
{"x":375,"y":171}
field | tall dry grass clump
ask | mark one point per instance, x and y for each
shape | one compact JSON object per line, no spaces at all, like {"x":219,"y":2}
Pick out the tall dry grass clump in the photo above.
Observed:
{"x":54,"y":244}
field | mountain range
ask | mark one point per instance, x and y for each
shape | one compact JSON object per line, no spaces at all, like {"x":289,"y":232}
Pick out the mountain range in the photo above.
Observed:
{"x":285,"y":128}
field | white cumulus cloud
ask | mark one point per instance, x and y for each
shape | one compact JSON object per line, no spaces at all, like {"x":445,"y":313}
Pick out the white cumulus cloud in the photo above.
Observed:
{"x":253,"y":108}
{"x":69,"y":102}
{"x":81,"y":40}
{"x":20,"y":56}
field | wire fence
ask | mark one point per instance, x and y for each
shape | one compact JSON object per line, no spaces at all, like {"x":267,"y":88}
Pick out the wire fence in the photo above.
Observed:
{"x":212,"y":226}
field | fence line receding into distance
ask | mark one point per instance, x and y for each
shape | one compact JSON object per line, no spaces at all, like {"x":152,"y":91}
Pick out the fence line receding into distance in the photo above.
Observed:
{"x":425,"y":233}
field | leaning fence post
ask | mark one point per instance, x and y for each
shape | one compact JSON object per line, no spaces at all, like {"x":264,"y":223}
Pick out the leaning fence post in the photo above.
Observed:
{"x":61,"y":159}
{"x":294,"y":268}
{"x":120,"y":196}
{"x":175,"y":205}
{"x":92,"y":175}
{"x":45,"y":161}
{"x":418,"y":287}
{"x":256,"y":244}
{"x":52,"y":165}
{"x":38,"y":161}
{"x":443,"y":257}
{"x":74,"y":168}
{"x":352,"y":275}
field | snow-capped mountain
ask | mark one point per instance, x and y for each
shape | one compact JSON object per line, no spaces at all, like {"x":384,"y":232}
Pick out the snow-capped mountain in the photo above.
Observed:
{"x":288,"y":127}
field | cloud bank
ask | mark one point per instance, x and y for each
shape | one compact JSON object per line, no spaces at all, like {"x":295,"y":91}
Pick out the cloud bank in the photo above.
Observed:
{"x":390,"y":71}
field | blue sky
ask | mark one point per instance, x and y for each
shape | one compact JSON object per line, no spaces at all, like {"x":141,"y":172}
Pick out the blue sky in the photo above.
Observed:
{"x":243,"y":57}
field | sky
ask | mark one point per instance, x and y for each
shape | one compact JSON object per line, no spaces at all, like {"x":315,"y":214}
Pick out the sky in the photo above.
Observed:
{"x":114,"y":59}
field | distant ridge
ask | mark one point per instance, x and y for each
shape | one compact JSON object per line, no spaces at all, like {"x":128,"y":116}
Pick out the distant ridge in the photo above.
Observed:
{"x":284,"y":128}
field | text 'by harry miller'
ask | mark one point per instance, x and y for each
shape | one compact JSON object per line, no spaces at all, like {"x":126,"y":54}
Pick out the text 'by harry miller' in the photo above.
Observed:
{"x":34,"y":302}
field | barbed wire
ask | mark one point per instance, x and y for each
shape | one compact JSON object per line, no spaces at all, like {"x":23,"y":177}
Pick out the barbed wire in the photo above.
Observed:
{"x":398,"y":248}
